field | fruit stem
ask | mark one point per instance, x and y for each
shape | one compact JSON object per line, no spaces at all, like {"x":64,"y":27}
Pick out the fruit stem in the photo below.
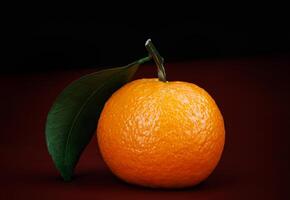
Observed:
{"x":157,"y":58}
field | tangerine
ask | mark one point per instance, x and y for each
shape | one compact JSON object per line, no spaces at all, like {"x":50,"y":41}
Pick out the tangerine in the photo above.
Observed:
{"x":161,"y":134}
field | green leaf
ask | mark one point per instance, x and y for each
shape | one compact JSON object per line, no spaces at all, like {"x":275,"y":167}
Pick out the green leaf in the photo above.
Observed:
{"x":72,"y":120}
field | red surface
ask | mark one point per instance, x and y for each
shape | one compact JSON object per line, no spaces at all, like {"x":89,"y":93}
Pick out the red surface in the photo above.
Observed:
{"x":253,"y":95}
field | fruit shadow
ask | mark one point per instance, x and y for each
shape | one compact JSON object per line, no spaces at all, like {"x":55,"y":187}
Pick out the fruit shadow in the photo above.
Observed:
{"x":219,"y":180}
{"x":102,"y":182}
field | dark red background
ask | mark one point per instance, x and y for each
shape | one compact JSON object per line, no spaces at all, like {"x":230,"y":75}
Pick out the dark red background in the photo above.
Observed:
{"x":252,"y":93}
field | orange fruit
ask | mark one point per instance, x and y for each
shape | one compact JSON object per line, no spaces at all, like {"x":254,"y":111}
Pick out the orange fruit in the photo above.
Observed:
{"x":161,"y":134}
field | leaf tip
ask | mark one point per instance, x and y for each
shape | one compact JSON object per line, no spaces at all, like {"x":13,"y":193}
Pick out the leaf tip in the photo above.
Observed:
{"x":66,"y":177}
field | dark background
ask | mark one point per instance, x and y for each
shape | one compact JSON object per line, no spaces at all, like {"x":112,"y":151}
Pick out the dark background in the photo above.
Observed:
{"x":38,"y":39}
{"x":240,"y":56}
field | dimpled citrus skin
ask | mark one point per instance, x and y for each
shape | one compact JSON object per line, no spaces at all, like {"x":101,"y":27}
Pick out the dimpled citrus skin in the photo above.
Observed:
{"x":161,"y":134}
